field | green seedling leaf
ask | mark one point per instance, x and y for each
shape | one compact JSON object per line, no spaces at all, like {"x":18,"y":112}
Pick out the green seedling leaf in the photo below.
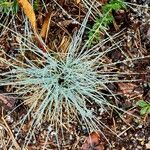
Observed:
{"x":148,"y":111}
{"x":144,"y":110}
{"x":145,"y":107}
{"x":7,"y":6}
{"x":141,"y":103}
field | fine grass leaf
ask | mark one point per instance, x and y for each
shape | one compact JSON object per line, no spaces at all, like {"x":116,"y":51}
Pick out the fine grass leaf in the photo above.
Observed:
{"x":141,"y":103}
{"x":28,"y":10}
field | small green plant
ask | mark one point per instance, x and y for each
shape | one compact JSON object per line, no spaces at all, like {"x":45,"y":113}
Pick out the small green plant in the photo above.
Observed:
{"x":12,"y":5}
{"x":145,"y":107}
{"x":35,"y":4}
{"x":103,"y":22}
{"x":7,"y":5}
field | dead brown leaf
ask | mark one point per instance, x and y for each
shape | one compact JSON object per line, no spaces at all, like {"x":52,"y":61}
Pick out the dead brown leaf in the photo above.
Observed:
{"x":6,"y":101}
{"x":93,"y":142}
{"x":64,"y":45}
{"x":46,"y":25}
{"x":25,"y":127}
{"x":28,"y":10}
{"x":129,"y":90}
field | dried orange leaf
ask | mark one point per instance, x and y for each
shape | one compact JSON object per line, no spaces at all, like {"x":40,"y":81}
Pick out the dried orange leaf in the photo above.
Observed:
{"x":28,"y":10}
{"x":45,"y":26}
{"x":93,"y":142}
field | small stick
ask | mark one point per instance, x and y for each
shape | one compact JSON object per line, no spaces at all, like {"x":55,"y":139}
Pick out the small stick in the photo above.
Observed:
{"x":11,"y":134}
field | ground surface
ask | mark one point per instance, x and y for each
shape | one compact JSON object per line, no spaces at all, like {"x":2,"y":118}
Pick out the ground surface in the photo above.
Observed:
{"x":133,"y":132}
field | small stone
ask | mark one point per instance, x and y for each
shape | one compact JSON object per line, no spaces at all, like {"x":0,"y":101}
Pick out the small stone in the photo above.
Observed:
{"x":140,"y":139}
{"x":148,"y":145}
{"x":139,"y":147}
{"x":142,"y":142}
{"x":125,"y":133}
{"x":1,"y":128}
{"x":140,"y":126}
{"x":123,"y":128}
{"x":70,"y":137}
{"x":9,"y":119}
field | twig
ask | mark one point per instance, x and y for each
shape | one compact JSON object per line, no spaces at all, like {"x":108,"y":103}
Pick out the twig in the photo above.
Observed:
{"x":11,"y":134}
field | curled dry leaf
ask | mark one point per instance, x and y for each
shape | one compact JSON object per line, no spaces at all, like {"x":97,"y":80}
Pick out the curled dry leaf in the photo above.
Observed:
{"x":93,"y":142}
{"x":64,"y":45}
{"x":46,"y":24}
{"x":26,"y":127}
{"x":28,"y":10}
{"x":7,"y":101}
{"x":129,"y":90}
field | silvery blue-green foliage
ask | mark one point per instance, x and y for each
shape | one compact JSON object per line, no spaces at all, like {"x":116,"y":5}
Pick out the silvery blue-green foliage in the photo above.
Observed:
{"x":58,"y":89}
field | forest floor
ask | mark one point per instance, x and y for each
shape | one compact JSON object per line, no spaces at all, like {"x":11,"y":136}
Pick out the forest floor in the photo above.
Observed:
{"x":133,"y":23}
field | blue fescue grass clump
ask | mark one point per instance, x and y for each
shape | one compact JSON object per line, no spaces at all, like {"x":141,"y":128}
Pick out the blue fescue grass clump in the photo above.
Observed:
{"x":57,"y":89}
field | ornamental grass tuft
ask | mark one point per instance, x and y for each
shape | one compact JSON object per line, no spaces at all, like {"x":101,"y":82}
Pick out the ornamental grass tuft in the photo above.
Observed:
{"x":57,"y":90}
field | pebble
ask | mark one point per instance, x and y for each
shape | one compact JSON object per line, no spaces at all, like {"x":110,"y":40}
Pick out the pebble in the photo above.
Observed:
{"x":125,"y":133}
{"x":9,"y":119}
{"x":1,"y":128}
{"x":138,"y":148}
{"x":123,"y":128}
{"x":140,"y":126}
{"x":147,"y":145}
